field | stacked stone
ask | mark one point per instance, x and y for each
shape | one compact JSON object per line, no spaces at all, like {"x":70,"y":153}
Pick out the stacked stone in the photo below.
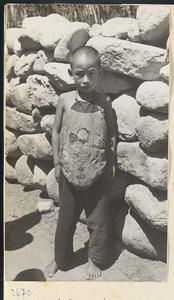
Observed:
{"x":37,"y":73}
{"x":142,"y":120}
{"x":134,"y":59}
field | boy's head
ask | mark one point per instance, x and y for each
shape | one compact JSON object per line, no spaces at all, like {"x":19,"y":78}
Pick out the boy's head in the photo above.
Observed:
{"x":86,"y":51}
{"x":85,"y":68}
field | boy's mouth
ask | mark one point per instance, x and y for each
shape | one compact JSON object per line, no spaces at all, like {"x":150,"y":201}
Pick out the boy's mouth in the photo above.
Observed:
{"x":86,"y":87}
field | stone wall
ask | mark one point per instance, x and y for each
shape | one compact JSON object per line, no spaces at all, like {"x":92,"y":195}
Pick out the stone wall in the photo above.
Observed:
{"x":135,"y":61}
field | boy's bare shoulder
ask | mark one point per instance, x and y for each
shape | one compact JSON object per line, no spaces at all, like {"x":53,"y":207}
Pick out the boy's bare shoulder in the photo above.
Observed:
{"x":102,"y":100}
{"x":67,"y":96}
{"x":66,"y":99}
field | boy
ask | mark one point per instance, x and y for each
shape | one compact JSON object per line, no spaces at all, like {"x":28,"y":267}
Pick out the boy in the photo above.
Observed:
{"x":91,"y":196}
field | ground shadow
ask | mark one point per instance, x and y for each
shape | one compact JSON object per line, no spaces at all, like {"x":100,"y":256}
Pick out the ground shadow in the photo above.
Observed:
{"x":80,"y":257}
{"x":30,"y":275}
{"x":16,"y":236}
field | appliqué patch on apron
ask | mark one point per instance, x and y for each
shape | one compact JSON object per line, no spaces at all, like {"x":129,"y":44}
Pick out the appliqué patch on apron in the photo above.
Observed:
{"x":83,"y":144}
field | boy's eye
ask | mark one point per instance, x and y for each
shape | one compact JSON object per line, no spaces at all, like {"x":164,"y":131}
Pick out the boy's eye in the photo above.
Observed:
{"x":79,"y":74}
{"x":92,"y":72}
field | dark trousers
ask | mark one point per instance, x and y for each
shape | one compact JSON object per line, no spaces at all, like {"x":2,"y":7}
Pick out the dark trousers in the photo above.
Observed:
{"x":94,"y":201}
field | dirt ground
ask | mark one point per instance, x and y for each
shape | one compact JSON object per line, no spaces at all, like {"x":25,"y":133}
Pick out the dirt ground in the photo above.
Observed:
{"x":30,"y":246}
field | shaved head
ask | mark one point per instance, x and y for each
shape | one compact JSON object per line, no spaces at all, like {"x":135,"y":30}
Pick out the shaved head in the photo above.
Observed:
{"x":87,"y":52}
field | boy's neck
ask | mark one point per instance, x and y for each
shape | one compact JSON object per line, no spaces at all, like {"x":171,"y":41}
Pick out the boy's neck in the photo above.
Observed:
{"x":89,"y":97}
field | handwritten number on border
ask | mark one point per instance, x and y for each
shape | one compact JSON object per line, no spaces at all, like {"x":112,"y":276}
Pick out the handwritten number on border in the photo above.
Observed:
{"x":20,"y":292}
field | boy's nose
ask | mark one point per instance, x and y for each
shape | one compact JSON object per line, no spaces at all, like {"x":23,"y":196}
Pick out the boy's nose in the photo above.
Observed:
{"x":85,"y":79}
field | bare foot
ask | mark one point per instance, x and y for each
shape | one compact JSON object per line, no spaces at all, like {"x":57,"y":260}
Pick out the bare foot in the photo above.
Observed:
{"x":51,"y":269}
{"x":93,"y":270}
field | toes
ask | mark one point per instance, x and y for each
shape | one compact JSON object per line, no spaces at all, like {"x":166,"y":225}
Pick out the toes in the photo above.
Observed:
{"x":89,"y":277}
{"x":49,"y":275}
{"x":93,"y":276}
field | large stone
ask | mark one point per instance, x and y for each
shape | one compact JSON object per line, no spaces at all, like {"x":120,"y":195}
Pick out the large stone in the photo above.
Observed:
{"x":133,"y":59}
{"x":41,"y":92}
{"x":47,"y":123}
{"x":57,"y":18}
{"x":117,"y":27}
{"x":50,"y":35}
{"x":11,"y":144}
{"x":33,"y":22}
{"x":38,"y":113}
{"x":49,"y":30}
{"x":95,"y":30}
{"x":139,"y":237}
{"x":37,"y":22}
{"x":153,"y":23}
{"x":24,"y":66}
{"x":41,"y":169}
{"x":15,"y":81}
{"x":39,"y":178}
{"x":11,"y":36}
{"x":127,"y":113}
{"x":52,"y":186}
{"x":42,"y":58}
{"x":19,"y":50}
{"x":10,"y":173}
{"x":7,"y":93}
{"x":152,"y":170}
{"x":19,"y":121}
{"x":76,"y":36}
{"x":7,"y":54}
{"x":113,"y":83}
{"x":134,"y":33}
{"x":24,"y":170}
{"x":20,"y":99}
{"x":153,"y":96}
{"x":164,"y":72}
{"x":151,"y":210}
{"x":29,"y":40}
{"x":152,"y":132}
{"x":36,"y":145}
{"x":59,"y":76}
{"x":10,"y":66}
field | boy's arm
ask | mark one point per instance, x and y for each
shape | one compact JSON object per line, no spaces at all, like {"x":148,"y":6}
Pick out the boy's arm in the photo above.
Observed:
{"x":111,"y":135}
{"x":56,"y":135}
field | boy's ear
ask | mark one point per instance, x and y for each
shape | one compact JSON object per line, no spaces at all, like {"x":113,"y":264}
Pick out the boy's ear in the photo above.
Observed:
{"x":70,"y":72}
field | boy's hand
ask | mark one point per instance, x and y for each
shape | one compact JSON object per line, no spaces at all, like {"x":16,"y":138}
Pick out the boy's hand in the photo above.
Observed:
{"x":57,"y":172}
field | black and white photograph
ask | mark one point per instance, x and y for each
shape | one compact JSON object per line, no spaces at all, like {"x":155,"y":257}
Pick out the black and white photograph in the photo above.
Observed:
{"x":86,"y":142}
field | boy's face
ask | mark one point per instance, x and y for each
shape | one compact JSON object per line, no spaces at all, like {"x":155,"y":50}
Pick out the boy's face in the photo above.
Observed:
{"x":86,"y":72}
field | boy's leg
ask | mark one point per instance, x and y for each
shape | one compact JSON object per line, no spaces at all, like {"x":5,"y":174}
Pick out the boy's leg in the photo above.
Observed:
{"x":69,"y":212}
{"x":97,"y":218}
